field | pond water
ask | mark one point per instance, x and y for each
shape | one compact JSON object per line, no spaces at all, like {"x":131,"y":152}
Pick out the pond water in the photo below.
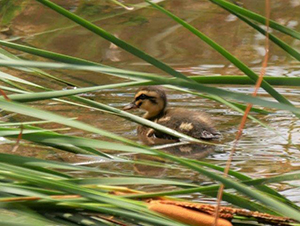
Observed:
{"x":261,"y":152}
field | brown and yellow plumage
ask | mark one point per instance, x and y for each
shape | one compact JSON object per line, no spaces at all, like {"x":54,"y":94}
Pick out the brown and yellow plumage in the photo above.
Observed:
{"x":153,"y":100}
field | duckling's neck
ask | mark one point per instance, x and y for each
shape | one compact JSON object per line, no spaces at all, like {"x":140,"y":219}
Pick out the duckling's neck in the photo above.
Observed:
{"x":152,"y":115}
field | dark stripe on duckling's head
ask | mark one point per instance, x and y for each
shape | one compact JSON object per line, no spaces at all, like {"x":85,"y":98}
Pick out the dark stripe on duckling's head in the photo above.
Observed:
{"x":143,"y":96}
{"x":151,"y":99}
{"x":153,"y":93}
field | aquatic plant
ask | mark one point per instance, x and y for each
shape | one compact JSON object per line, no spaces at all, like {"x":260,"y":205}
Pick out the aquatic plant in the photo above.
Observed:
{"x":42,"y":192}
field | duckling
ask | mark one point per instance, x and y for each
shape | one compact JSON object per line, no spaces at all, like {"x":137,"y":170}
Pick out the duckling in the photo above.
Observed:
{"x":153,"y":100}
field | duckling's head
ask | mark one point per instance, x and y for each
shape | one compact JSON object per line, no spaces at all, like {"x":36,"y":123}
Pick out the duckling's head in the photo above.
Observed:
{"x":152,"y":99}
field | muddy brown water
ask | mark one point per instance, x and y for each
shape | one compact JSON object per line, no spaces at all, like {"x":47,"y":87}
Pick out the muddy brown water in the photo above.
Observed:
{"x":261,"y":153}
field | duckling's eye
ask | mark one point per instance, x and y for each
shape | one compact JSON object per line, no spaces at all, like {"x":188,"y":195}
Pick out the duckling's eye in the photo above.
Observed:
{"x":142,"y":97}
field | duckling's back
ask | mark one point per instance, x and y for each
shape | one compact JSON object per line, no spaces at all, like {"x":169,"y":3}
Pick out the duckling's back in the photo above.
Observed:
{"x":192,"y":123}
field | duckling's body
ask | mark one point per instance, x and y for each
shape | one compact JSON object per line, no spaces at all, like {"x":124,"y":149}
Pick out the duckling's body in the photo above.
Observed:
{"x":153,"y":100}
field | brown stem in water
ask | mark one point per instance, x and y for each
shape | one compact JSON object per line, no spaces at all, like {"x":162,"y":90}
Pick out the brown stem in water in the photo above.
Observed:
{"x":15,"y":148}
{"x":4,"y":95}
{"x":249,"y":106}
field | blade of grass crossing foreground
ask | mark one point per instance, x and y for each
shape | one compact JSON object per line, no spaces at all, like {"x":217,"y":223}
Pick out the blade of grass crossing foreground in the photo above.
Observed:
{"x":211,"y":191}
{"x":49,"y":54}
{"x":125,"y":214}
{"x":269,"y":202}
{"x":273,"y":38}
{"x":22,"y":109}
{"x":150,"y":59}
{"x":128,"y":181}
{"x":247,"y":180}
{"x":230,"y":80}
{"x":136,"y":207}
{"x":242,"y":80}
{"x":266,"y":86}
{"x":29,"y":161}
{"x":276,"y":205}
{"x":48,"y":95}
{"x":275,"y":179}
{"x":50,"y":139}
{"x":206,"y":80}
{"x":231,"y":105}
{"x":160,"y":80}
{"x":52,"y":94}
{"x":257,"y":17}
{"x":33,"y":176}
{"x":118,"y":42}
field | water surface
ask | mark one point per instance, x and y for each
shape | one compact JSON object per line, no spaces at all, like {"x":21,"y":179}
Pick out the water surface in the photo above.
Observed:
{"x":261,"y":152}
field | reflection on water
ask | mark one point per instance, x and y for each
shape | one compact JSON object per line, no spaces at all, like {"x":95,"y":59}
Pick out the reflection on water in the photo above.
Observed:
{"x":187,"y":150}
{"x":260,"y":153}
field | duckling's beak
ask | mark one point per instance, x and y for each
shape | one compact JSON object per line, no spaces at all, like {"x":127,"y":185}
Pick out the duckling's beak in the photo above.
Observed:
{"x":130,"y":106}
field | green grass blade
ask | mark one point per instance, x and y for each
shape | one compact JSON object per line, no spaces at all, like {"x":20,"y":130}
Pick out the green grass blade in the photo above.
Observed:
{"x":38,"y":72}
{"x":230,"y":80}
{"x":269,"y":202}
{"x":293,"y":52}
{"x":59,"y":139}
{"x":18,"y":215}
{"x":34,"y":177}
{"x":3,"y":124}
{"x":248,"y":180}
{"x":125,"y":214}
{"x":257,"y":17}
{"x":56,"y":94}
{"x":121,"y":4}
{"x":119,"y":202}
{"x":159,"y":80}
{"x":22,"y":109}
{"x":30,"y":188}
{"x":39,"y":135}
{"x":201,"y":79}
{"x":69,"y":59}
{"x":48,"y":95}
{"x":29,"y":161}
{"x":210,"y":191}
{"x":16,"y":79}
{"x":118,"y":42}
{"x":242,"y":80}
{"x":251,"y":74}
{"x":242,"y":202}
{"x":278,"y":206}
{"x":275,"y":179}
{"x":234,"y":107}
{"x":48,"y":54}
{"x":29,"y":97}
{"x":128,"y":181}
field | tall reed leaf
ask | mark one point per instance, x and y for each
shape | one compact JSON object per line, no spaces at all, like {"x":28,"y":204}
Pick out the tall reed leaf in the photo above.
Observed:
{"x":270,"y":202}
{"x":257,"y":17}
{"x":251,"y":74}
{"x":33,"y":176}
{"x":29,"y":161}
{"x":274,"y":204}
{"x":118,"y":42}
{"x":293,"y":52}
{"x":242,"y":80}
{"x":159,"y":80}
{"x":201,"y":79}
